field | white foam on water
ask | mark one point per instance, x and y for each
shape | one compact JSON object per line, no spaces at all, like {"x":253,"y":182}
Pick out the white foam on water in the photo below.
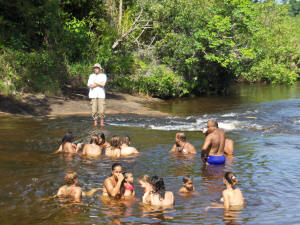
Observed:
{"x":230,"y":115}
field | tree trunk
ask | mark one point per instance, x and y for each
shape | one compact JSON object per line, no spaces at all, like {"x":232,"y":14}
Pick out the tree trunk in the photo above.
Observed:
{"x":120,"y":14}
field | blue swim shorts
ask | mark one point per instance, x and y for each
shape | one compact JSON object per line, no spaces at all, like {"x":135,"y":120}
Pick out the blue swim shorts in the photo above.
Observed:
{"x":216,"y":160}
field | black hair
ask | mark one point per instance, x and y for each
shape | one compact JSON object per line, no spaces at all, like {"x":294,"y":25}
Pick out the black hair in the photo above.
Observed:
{"x":115,"y":165}
{"x":102,"y":136}
{"x":231,"y":178}
{"x":67,"y":138}
{"x":187,"y":178}
{"x":159,"y":186}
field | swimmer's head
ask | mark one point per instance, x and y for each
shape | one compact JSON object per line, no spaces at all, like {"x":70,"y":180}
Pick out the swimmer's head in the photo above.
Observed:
{"x":144,"y":181}
{"x":159,"y":186}
{"x":68,"y":137}
{"x":115,"y":142}
{"x":101,"y":138}
{"x":188,"y":182}
{"x":211,"y":125}
{"x":94,"y":139}
{"x":71,"y":178}
{"x":128,"y":177}
{"x":125,"y":140}
{"x":230,"y":178}
{"x":116,"y":169}
{"x":180,"y":136}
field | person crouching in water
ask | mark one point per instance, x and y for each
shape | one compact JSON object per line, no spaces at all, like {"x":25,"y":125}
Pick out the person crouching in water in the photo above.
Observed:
{"x":114,"y":150}
{"x":127,"y":186}
{"x":232,"y":196}
{"x":127,"y":150}
{"x":102,"y":142}
{"x":188,"y":187}
{"x":92,"y":149}
{"x":71,"y":189}
{"x":112,"y":185}
{"x":181,"y":146}
{"x":67,"y":145}
{"x":158,"y":196}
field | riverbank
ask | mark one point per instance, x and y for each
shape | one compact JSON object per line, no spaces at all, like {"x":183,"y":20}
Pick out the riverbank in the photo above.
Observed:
{"x":76,"y":104}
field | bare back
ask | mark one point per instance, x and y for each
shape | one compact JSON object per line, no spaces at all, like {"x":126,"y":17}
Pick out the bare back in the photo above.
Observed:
{"x":127,"y":150}
{"x":70,"y":191}
{"x":92,"y":150}
{"x":68,"y":147}
{"x":215,"y":142}
{"x":113,"y":152}
{"x":168,"y":200}
{"x":229,"y":147}
{"x":233,"y":197}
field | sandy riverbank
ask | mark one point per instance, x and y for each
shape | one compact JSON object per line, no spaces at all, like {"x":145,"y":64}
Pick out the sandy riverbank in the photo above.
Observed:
{"x":77,"y":104}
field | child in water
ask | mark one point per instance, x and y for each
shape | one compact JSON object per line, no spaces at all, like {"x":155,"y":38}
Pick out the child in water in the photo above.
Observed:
{"x":128,"y":185}
{"x":232,"y":196}
{"x":188,"y":187}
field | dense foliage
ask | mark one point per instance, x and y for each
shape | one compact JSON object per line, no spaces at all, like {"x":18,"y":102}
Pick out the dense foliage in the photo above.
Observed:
{"x":163,"y":48}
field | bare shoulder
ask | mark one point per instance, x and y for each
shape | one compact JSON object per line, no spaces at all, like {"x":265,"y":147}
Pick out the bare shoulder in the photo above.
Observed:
{"x":182,"y":190}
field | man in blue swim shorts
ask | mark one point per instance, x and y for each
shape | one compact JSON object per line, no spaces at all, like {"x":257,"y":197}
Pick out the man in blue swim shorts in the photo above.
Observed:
{"x":213,"y":148}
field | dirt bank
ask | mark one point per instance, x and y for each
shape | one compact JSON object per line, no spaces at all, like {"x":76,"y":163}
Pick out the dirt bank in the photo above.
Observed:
{"x":77,"y":104}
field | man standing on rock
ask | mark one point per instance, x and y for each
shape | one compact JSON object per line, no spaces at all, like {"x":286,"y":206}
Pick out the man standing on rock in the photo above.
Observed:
{"x":96,"y":83}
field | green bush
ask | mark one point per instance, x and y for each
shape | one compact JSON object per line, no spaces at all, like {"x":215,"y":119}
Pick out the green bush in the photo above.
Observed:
{"x":159,"y":81}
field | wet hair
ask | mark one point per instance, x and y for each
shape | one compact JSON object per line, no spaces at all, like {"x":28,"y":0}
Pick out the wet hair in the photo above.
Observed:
{"x":115,"y":165}
{"x":115,"y":142}
{"x":231,"y":178}
{"x":94,"y":139}
{"x":213,"y":123}
{"x":159,"y":186}
{"x":186,"y":179}
{"x":70,"y":178}
{"x":145,"y":178}
{"x":181,"y":136}
{"x":102,"y":136}
{"x":125,"y":140}
{"x":67,"y":138}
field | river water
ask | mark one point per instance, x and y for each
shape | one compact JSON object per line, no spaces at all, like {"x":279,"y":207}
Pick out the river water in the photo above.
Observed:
{"x":263,"y":121}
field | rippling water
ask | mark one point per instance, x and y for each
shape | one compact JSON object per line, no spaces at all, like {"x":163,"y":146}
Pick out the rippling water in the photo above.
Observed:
{"x":263,"y":122}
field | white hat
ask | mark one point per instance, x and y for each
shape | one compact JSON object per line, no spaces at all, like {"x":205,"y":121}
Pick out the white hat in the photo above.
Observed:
{"x":97,"y":65}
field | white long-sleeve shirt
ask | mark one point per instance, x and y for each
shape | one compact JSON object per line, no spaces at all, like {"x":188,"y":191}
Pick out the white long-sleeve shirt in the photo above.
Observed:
{"x":97,"y":92}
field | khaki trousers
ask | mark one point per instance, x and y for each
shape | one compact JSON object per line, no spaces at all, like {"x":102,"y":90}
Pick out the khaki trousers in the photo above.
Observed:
{"x":98,"y":107}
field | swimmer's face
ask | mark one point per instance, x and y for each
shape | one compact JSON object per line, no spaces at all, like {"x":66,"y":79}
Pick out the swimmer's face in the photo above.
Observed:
{"x":177,"y":140}
{"x":144,"y":184}
{"x":129,"y":178}
{"x":117,"y":170}
{"x":188,"y":185}
{"x":100,"y":140}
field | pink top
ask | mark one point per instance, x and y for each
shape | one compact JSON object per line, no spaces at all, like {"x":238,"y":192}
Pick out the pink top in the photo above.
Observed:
{"x":129,"y":187}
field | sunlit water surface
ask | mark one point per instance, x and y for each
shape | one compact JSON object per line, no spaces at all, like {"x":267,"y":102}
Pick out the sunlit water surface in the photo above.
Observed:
{"x":263,"y":122}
